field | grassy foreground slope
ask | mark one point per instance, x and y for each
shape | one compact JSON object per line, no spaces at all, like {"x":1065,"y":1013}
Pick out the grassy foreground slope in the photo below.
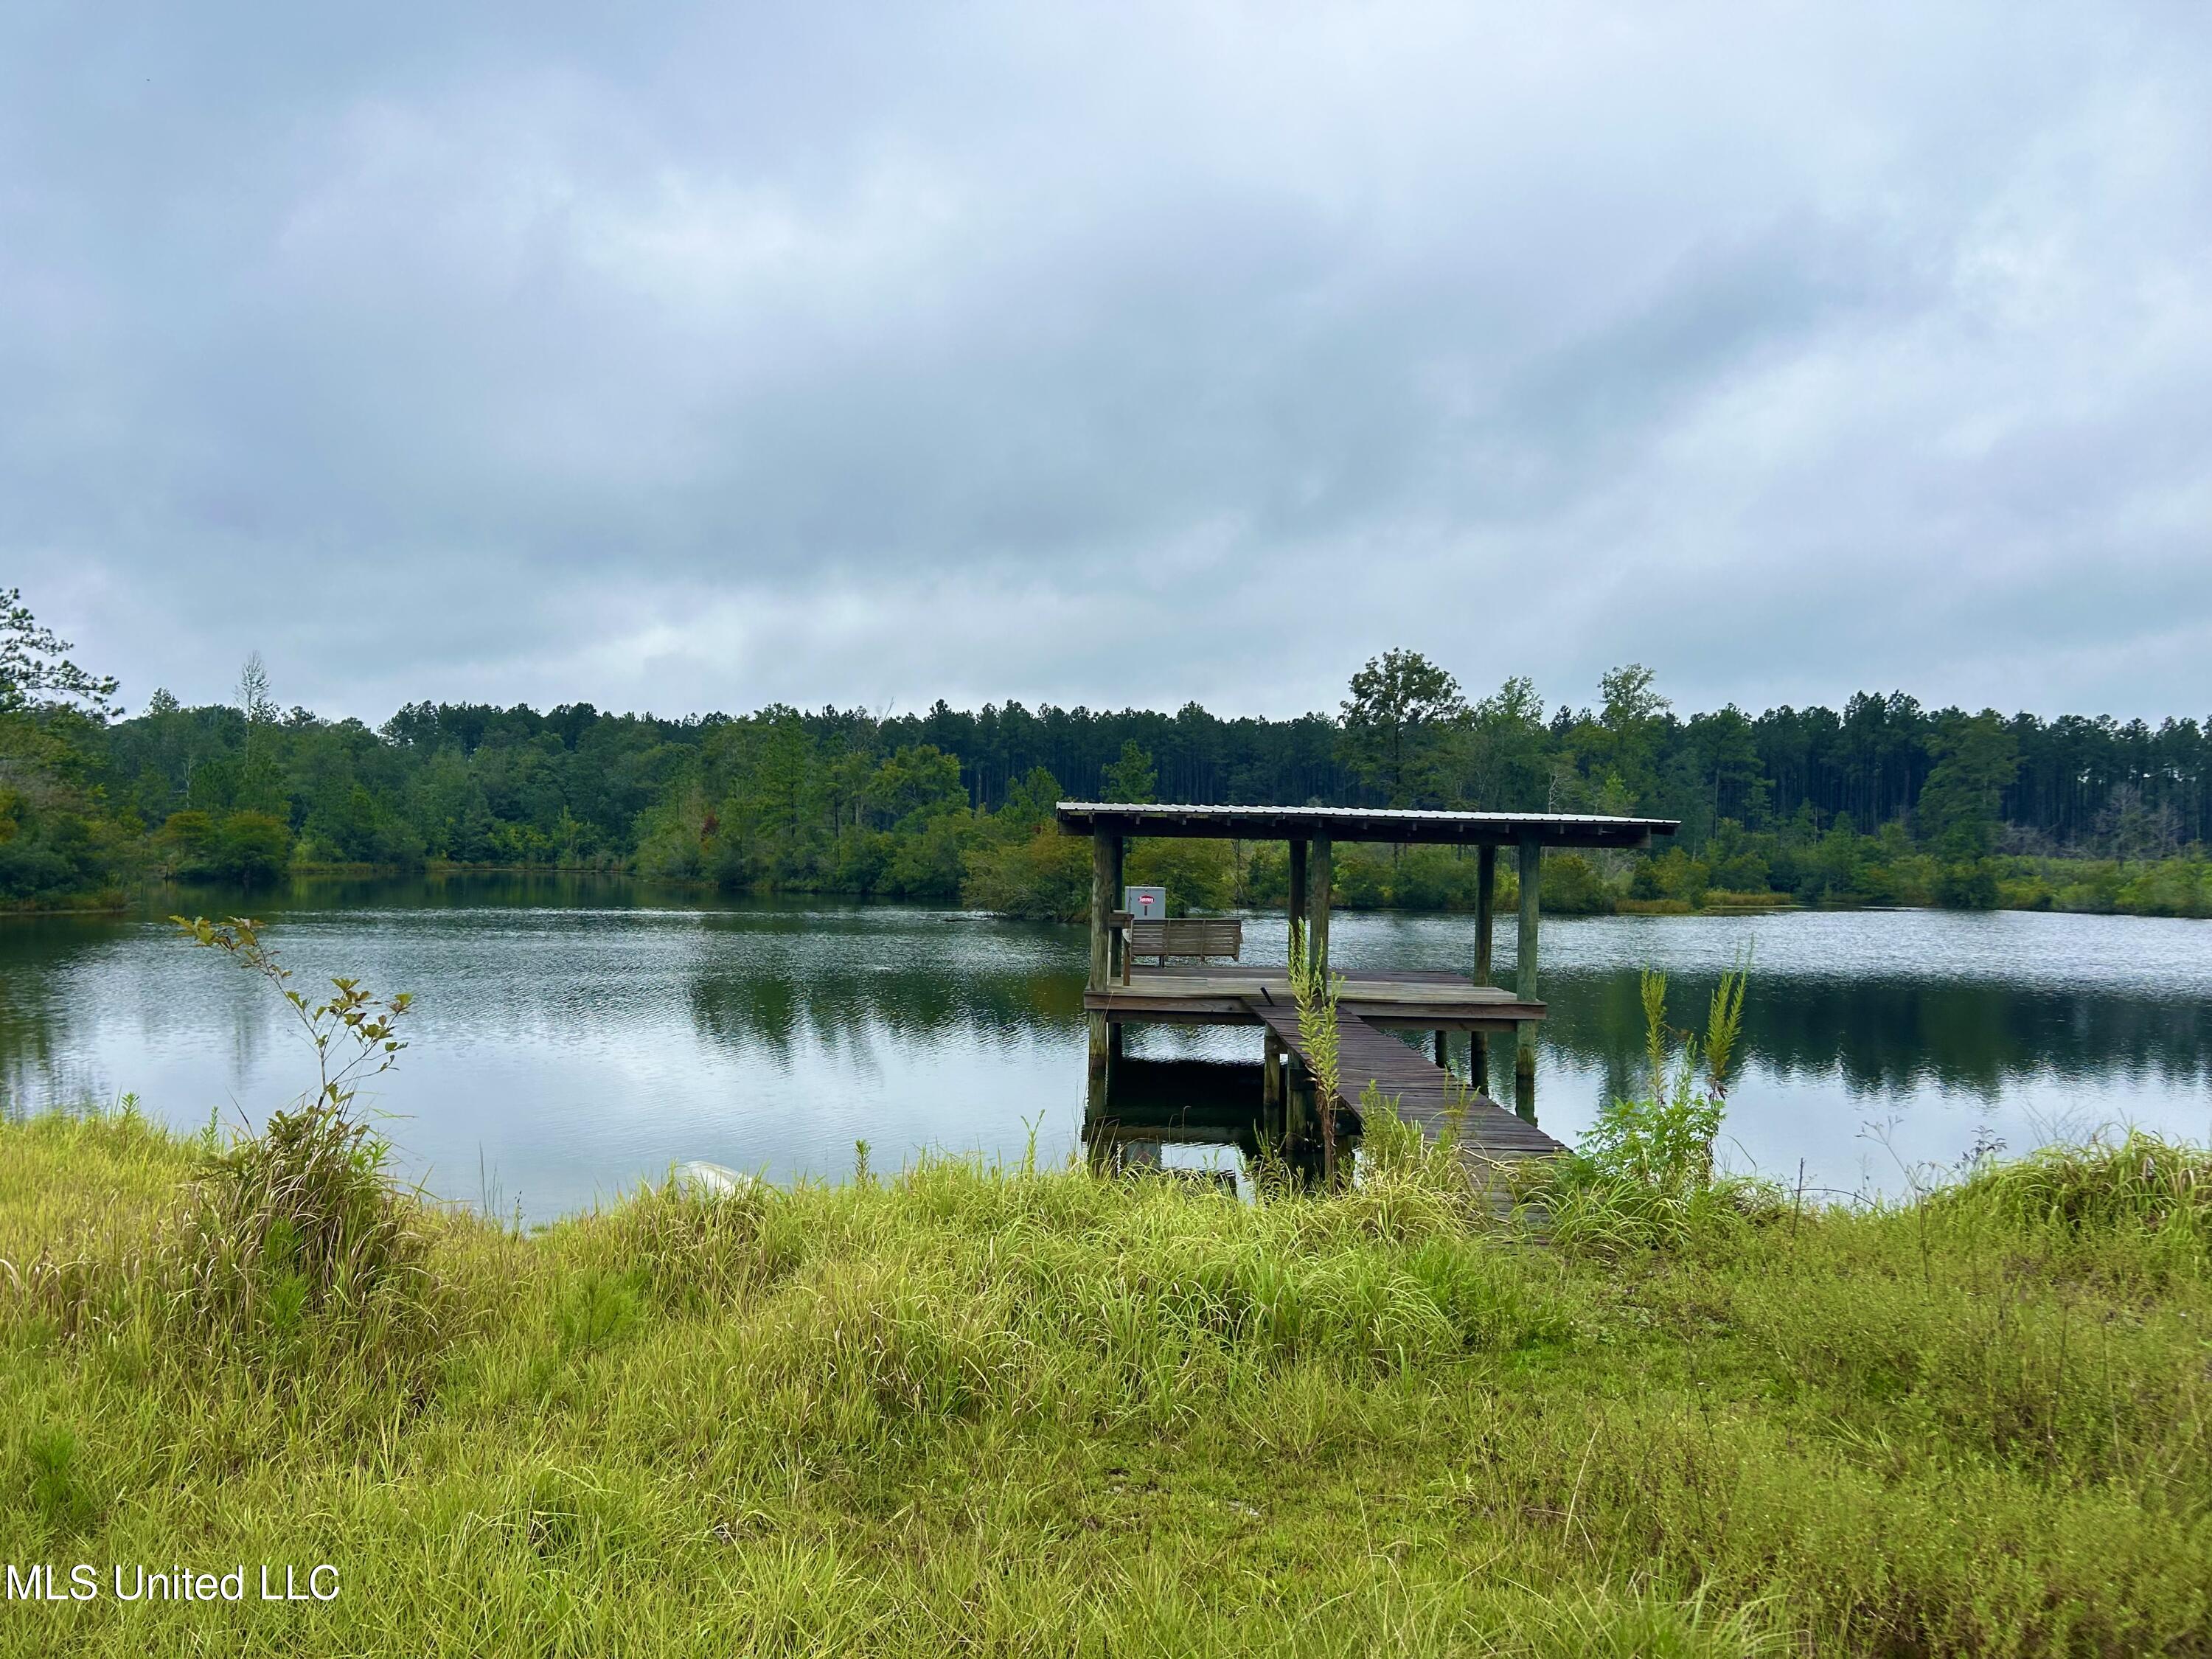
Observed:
{"x":966,"y":1411}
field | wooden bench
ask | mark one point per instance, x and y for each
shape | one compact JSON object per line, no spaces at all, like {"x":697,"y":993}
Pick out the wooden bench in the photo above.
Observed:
{"x":1185,"y":936}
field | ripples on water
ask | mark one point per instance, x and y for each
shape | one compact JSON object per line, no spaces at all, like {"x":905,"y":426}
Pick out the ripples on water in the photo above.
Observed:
{"x":575,"y":1036}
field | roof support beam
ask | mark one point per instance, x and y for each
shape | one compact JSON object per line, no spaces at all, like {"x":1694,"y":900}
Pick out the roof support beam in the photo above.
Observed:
{"x":1347,"y":823}
{"x":1321,"y":875}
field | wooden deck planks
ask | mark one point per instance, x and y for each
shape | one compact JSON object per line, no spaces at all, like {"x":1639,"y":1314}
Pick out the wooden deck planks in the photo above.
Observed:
{"x":1423,"y":1091}
{"x":1219,"y":995}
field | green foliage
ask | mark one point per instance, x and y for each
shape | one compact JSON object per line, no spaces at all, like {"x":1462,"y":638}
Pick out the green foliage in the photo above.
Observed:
{"x":249,"y":848}
{"x":1573,"y":886}
{"x":1317,"y":990}
{"x":1401,"y":704}
{"x":1882,"y":802}
{"x":1643,"y":1173}
{"x":1133,"y":777}
{"x":1199,"y":875}
{"x":1029,"y":805}
{"x":1624,"y":746}
{"x":57,"y":847}
{"x":301,"y":1223}
{"x":1021,"y":1410}
{"x":58,"y":1493}
{"x":1039,"y":875}
{"x":1500,"y":754}
{"x":1967,"y":886}
{"x":2139,"y":1183}
{"x":35,"y":672}
{"x":1664,"y":1140}
{"x":2178,"y":887}
{"x":1959,"y":809}
{"x":51,"y":851}
{"x":1424,"y":878}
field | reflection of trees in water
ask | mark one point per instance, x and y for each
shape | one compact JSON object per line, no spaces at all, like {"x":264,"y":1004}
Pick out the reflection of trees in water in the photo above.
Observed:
{"x":1887,"y":1035}
{"x":1893,"y":1035}
{"x":87,"y":1013}
{"x":28,"y":1028}
{"x":779,"y":1011}
{"x":781,"y":981}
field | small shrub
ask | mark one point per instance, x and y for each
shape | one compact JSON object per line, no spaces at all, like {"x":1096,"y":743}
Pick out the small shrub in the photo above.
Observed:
{"x":303,"y":1224}
{"x":1644,"y":1171}
{"x":1043,"y":876}
{"x":300,"y":1218}
{"x":1573,"y":886}
{"x":1664,"y":1140}
{"x":1968,"y":886}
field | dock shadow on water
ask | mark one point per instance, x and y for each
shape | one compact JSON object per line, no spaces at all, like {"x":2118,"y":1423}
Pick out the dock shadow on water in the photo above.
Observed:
{"x":1162,"y":1116}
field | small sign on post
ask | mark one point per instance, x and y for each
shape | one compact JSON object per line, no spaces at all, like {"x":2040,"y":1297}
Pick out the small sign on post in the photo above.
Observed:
{"x":1145,"y":904}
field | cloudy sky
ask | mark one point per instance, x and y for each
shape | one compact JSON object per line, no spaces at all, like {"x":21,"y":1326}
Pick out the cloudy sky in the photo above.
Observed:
{"x":1122,"y":353}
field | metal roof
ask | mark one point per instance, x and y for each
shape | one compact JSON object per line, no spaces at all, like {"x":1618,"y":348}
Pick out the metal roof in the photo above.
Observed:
{"x":1083,"y":817}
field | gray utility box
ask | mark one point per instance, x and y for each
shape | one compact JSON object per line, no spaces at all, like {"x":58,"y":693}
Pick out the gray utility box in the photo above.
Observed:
{"x":1145,"y":903}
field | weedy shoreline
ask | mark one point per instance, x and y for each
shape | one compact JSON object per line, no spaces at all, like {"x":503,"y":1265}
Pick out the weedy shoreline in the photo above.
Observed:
{"x":1015,"y":1410}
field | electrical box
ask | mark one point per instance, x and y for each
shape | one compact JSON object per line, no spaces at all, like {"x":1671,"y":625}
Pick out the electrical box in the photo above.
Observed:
{"x":1145,"y":904}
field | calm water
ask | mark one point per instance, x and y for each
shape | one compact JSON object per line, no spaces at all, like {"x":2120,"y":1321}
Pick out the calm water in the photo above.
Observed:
{"x":573,"y":1037}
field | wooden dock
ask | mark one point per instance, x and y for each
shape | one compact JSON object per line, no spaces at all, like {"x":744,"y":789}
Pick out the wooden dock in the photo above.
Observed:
{"x":1370,"y":1005}
{"x":1424,"y":1092}
{"x":1369,"y":1008}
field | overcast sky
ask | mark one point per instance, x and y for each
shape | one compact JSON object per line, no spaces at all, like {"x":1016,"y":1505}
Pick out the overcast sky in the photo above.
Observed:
{"x":1120,"y":354}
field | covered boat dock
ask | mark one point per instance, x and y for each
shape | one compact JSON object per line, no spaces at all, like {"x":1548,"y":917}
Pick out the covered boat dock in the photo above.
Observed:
{"x":1374,"y":1003}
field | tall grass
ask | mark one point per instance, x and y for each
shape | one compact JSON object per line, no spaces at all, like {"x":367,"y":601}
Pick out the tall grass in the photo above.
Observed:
{"x":1316,"y":992}
{"x":1014,"y":1410}
{"x":2136,"y":1183}
{"x":1645,"y":1173}
{"x":970,"y":1409}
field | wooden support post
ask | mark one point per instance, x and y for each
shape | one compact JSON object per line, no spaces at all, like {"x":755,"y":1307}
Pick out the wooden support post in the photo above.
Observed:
{"x":1317,"y":899}
{"x":1531,"y":874}
{"x":1486,"y":921}
{"x":1298,"y":897}
{"x":1443,"y":1053}
{"x":1117,"y":962}
{"x":1274,"y":1122}
{"x":1300,"y":1113}
{"x":1485,"y":911}
{"x":1105,"y":856}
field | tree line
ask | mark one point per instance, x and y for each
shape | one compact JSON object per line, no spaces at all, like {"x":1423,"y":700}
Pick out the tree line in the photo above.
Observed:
{"x":1884,"y":800}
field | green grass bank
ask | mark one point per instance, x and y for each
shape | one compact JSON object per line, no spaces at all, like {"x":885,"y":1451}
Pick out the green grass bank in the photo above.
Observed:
{"x":972,"y":1410}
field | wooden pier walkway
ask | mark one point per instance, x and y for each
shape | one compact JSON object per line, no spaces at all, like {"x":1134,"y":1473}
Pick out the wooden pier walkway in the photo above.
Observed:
{"x":1425,"y":1092}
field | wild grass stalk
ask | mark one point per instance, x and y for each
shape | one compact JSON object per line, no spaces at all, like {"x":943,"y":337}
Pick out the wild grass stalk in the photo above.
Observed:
{"x":1317,"y":991}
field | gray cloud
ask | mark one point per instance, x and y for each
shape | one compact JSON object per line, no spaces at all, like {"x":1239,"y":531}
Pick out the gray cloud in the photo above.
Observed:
{"x":1117,"y":355}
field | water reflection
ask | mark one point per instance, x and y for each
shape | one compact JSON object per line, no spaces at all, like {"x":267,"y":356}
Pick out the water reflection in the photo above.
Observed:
{"x":578,"y":1034}
{"x":1891,"y":1035}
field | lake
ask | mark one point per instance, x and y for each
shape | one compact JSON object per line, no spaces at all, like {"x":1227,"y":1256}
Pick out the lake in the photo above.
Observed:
{"x":577,"y":1035}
